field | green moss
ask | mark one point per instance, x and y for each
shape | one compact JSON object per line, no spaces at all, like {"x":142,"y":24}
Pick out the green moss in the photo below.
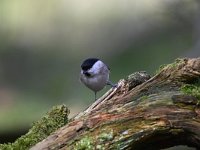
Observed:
{"x":85,"y":143}
{"x":100,"y":147}
{"x":143,"y":97}
{"x":191,"y":89}
{"x":161,"y":68}
{"x":53,"y":120}
{"x":177,"y":61}
{"x":176,"y":131}
{"x":105,"y":136}
{"x":172,"y":65}
{"x":184,"y":106}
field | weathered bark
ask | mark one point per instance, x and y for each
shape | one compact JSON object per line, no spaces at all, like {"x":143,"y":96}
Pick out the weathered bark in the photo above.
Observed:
{"x":140,"y":113}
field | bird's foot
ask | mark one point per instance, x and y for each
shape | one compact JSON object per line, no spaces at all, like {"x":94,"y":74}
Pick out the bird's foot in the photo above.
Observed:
{"x":111,"y":84}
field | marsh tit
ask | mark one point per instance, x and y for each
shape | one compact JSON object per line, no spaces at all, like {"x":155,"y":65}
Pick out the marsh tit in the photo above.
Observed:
{"x":95,"y":74}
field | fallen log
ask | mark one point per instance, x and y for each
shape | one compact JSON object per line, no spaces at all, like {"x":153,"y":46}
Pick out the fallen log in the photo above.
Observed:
{"x":143,"y":112}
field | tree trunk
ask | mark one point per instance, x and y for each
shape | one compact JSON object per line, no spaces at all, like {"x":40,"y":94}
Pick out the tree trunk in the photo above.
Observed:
{"x":141,"y":113}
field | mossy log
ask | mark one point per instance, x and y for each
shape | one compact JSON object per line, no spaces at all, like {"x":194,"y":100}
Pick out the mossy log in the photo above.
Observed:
{"x":141,"y":113}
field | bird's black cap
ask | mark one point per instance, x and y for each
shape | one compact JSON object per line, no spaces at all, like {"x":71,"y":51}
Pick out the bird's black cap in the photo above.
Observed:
{"x":88,"y":63}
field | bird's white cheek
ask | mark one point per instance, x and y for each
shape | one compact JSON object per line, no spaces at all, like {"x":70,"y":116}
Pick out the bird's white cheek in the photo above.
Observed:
{"x":83,"y":79}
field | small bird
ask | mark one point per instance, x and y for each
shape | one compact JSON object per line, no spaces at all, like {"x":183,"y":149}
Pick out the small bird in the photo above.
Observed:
{"x":95,"y":74}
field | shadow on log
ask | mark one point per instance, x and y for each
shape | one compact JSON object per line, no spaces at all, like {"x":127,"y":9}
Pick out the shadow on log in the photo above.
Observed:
{"x":141,"y":113}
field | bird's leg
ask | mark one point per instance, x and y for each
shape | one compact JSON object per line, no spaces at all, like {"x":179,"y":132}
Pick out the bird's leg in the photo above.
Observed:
{"x":95,"y":94}
{"x":111,"y":84}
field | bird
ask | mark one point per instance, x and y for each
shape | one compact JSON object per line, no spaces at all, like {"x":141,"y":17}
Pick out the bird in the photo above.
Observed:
{"x":95,"y":75}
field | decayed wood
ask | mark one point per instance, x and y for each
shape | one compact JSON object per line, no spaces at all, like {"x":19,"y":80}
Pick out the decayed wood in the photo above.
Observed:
{"x":142,"y":112}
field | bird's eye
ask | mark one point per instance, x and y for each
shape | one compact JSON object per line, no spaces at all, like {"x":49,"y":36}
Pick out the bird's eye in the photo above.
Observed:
{"x":87,"y":74}
{"x":84,"y":68}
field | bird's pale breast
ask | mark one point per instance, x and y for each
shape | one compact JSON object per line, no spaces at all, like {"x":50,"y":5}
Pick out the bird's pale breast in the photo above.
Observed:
{"x":95,"y":83}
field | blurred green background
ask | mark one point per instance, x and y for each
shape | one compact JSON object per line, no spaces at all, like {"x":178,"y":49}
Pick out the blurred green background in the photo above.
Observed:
{"x":42,"y":44}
